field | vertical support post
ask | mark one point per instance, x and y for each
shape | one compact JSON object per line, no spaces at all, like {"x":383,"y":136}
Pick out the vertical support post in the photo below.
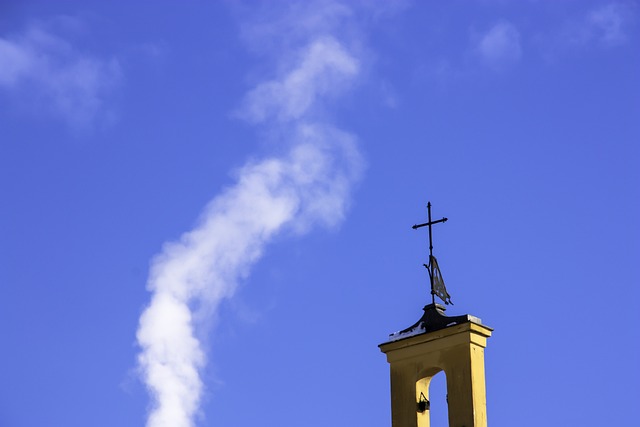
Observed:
{"x":433,"y":291}
{"x":466,"y":388}
{"x":430,"y":267}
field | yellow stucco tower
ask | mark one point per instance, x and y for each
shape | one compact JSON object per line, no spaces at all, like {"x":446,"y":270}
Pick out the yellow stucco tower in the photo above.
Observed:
{"x":438,"y":343}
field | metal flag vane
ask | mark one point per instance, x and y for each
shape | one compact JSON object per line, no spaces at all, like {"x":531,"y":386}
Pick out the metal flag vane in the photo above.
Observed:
{"x":435,"y":276}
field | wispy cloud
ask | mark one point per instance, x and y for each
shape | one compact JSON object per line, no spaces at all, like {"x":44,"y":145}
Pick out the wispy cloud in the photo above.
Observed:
{"x":47,"y":71}
{"x":606,"y":25}
{"x":500,"y":46}
{"x":310,"y":185}
{"x":285,"y":26}
{"x":324,"y":67}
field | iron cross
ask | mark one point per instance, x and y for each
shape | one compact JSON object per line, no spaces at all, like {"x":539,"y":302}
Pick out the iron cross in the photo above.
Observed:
{"x":429,"y":224}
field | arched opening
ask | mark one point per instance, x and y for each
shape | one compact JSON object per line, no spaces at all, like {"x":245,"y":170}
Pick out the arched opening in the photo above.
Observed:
{"x":439,"y":405}
{"x":431,"y":400}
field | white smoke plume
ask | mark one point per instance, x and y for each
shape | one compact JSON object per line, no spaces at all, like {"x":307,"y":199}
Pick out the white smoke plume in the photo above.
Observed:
{"x":308,"y":185}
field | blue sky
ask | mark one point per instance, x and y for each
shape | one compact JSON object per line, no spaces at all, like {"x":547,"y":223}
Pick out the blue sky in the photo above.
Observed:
{"x":207,"y":207}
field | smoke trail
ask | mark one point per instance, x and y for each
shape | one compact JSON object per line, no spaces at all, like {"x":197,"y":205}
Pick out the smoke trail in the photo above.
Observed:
{"x":308,"y":185}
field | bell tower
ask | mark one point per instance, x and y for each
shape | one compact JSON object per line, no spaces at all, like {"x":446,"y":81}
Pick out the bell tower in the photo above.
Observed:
{"x":438,"y":343}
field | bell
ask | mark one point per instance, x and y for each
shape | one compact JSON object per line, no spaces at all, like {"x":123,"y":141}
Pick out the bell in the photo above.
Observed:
{"x":423,"y":403}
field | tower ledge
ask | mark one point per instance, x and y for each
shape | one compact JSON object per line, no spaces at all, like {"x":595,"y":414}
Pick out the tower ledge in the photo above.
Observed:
{"x":432,"y":320}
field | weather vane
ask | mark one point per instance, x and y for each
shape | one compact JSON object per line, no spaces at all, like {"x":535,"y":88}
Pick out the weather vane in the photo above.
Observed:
{"x":435,"y":276}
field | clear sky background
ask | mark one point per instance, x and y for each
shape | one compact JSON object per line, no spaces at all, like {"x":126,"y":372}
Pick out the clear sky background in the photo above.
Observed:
{"x":295,"y":144}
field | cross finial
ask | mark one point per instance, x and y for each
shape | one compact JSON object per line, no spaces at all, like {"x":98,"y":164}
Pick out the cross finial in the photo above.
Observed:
{"x":435,"y":276}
